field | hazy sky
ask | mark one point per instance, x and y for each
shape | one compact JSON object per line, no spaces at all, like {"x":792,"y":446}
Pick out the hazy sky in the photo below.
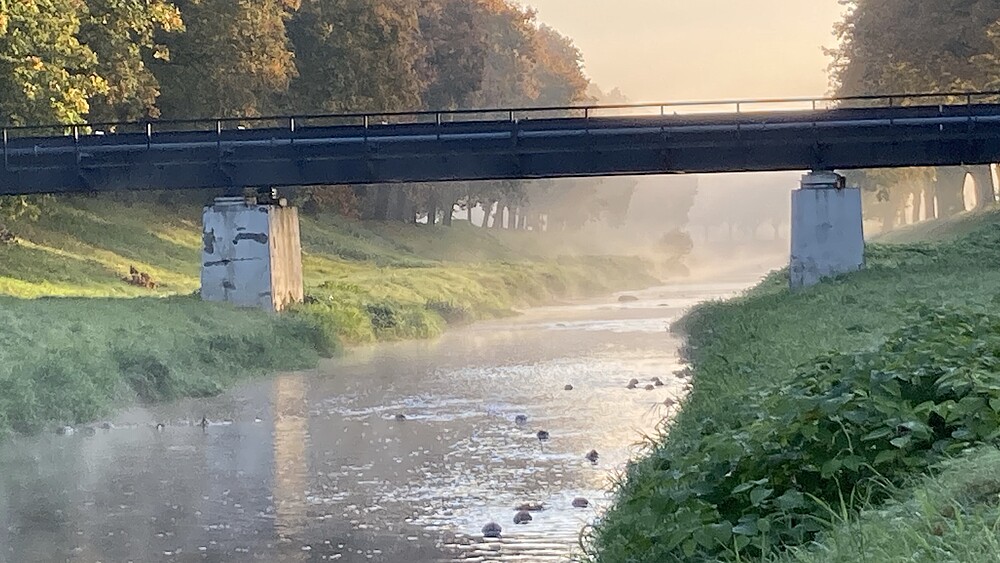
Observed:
{"x":668,"y":50}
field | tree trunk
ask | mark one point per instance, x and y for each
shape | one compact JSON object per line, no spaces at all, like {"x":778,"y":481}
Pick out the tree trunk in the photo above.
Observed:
{"x":950,"y":191}
{"x":918,"y":205}
{"x":487,"y":211}
{"x":447,"y":214}
{"x":888,"y":218}
{"x":468,"y":210}
{"x":397,"y":203}
{"x":432,"y":212}
{"x":381,"y":212}
{"x":409,"y":210}
{"x":983,"y":177}
{"x":498,"y":217}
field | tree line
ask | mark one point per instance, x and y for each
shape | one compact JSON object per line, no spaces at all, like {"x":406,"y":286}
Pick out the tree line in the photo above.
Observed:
{"x":74,"y":61}
{"x":906,"y":46}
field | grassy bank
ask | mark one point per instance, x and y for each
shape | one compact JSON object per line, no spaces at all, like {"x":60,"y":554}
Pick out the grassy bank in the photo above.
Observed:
{"x":79,"y":342}
{"x":809,"y":406}
{"x":66,"y":361}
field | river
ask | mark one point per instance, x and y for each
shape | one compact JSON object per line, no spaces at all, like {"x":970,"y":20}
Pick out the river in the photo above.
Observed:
{"x":316,"y":466}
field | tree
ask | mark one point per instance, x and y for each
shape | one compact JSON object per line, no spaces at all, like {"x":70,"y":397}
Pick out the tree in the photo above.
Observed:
{"x":355,"y":56}
{"x":483,"y":54}
{"x":46,"y":74}
{"x":234,"y":60}
{"x":121,"y":34}
{"x":558,"y":73}
{"x":455,"y":46}
{"x":918,"y":46}
{"x":899,"y":46}
{"x":508,"y":77}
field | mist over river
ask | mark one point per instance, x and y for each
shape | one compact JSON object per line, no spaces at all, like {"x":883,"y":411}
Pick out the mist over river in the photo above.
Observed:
{"x":316,"y":466}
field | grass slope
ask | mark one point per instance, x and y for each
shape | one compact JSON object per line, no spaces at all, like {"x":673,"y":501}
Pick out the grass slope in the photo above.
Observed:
{"x":74,"y":348}
{"x":827,"y":398}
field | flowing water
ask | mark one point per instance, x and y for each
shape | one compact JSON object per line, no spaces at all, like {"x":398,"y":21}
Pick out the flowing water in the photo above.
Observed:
{"x":316,"y":466}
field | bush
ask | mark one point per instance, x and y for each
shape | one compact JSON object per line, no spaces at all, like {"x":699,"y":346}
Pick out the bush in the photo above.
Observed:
{"x":383,"y":316}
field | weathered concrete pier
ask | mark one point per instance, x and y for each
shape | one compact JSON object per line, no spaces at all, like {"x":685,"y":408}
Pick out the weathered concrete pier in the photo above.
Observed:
{"x":252,"y":254}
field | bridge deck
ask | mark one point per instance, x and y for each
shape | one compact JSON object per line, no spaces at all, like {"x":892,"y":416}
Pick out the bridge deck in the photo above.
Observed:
{"x":491,"y":145}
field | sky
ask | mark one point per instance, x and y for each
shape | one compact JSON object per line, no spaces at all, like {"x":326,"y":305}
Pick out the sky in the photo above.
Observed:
{"x":670,"y":50}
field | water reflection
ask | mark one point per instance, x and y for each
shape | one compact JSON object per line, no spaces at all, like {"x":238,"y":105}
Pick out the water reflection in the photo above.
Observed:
{"x":291,"y":467}
{"x":394,"y":453}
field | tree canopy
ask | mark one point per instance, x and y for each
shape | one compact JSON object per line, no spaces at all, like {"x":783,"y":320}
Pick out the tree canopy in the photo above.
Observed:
{"x":902,"y":46}
{"x":72,"y":61}
{"x":46,"y":73}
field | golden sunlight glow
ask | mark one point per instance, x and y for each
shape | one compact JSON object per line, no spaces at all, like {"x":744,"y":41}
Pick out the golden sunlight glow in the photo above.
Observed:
{"x":665,"y":50}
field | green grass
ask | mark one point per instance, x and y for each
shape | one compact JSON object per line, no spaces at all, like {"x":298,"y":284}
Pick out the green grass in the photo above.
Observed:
{"x":952,"y":516}
{"x":79,"y":342}
{"x":71,"y":360}
{"x":761,"y":365}
{"x":385,"y":281}
{"x":942,"y":229}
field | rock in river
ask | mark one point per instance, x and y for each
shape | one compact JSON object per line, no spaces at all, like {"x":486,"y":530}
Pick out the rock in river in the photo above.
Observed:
{"x":492,"y":530}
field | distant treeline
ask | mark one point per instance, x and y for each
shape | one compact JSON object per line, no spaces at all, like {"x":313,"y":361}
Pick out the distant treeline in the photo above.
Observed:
{"x":124,"y":60}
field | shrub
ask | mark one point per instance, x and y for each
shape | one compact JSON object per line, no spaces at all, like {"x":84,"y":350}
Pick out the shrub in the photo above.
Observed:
{"x":383,"y":316}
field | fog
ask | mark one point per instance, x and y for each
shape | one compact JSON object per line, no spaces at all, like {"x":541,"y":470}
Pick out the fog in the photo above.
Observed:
{"x":708,"y":50}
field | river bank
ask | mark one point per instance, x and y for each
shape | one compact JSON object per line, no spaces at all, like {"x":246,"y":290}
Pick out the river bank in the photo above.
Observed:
{"x":809,"y":408}
{"x":80,"y":342}
{"x":316,"y":465}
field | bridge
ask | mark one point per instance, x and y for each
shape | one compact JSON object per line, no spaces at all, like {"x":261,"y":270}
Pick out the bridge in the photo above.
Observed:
{"x":252,"y":252}
{"x":692,"y":137}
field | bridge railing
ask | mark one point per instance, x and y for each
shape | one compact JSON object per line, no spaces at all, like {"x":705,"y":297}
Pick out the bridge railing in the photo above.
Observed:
{"x":292,"y":123}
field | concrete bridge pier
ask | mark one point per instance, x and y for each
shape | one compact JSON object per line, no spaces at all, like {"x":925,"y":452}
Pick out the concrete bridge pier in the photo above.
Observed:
{"x":827,"y":230}
{"x":252,"y":254}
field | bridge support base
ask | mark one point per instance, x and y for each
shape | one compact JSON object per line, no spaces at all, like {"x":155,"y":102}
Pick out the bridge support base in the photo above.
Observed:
{"x":252,"y":255}
{"x":827,"y":230}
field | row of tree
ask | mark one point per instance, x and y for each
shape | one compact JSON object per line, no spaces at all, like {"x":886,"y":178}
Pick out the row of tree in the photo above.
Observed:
{"x":123,"y":60}
{"x":906,"y":46}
